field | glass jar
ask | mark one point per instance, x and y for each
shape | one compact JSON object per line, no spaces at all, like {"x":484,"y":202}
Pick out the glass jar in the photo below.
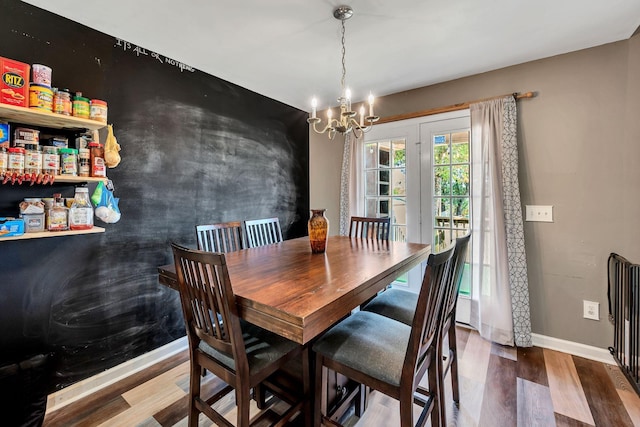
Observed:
{"x":81,"y":211}
{"x":80,"y":106}
{"x":50,"y":160}
{"x":62,"y":102}
{"x":32,"y":159}
{"x":68,"y":161}
{"x":98,"y":167}
{"x":84,"y":162}
{"x":58,"y":216}
{"x":4,"y":160}
{"x":15,"y":160}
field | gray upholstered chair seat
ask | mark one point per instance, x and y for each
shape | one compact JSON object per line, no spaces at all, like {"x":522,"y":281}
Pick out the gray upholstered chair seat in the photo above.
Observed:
{"x":396,"y":304}
{"x":369,"y":343}
{"x":262,"y":347}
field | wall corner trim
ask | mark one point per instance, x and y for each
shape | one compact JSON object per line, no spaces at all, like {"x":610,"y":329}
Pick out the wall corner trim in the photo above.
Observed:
{"x":574,"y":348}
{"x":92,"y":384}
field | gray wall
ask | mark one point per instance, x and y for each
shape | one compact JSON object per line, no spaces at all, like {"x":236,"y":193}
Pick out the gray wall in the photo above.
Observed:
{"x":579,"y":147}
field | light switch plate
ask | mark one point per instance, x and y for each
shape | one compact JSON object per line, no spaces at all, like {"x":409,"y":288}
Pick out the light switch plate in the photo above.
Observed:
{"x":539,"y":213}
{"x":591,"y":310}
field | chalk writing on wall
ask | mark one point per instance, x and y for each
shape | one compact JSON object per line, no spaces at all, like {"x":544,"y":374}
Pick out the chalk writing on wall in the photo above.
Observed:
{"x":138,"y":50}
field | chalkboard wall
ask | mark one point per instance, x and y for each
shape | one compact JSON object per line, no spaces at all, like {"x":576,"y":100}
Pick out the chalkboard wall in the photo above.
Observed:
{"x":195,"y":149}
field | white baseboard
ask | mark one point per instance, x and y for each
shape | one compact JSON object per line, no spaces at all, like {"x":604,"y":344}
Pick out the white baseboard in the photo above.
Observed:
{"x":574,"y":348}
{"x":90,"y":385}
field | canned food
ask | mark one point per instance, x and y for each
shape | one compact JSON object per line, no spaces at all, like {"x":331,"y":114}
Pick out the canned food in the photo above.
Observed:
{"x":41,"y":74}
{"x":40,"y":97}
{"x":98,"y":110}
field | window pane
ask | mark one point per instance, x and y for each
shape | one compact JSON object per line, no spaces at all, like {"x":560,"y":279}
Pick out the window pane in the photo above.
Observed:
{"x":441,"y":181}
{"x":383,"y":211}
{"x":460,"y":148}
{"x":440,"y":149}
{"x":384,"y":183}
{"x":399,"y":233}
{"x":370,"y":155}
{"x":384,"y":153}
{"x":370,"y":207}
{"x":442,"y":209}
{"x":370,"y":184}
{"x":399,"y":159}
{"x":398,"y":182}
{"x":461,"y":207}
{"x":460,"y":180}
{"x":399,"y":210}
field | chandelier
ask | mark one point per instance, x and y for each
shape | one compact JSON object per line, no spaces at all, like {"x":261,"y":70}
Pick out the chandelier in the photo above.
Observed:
{"x":346,"y":121}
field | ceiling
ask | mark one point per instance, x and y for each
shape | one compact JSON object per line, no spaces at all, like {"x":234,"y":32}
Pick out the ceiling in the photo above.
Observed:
{"x":289,"y":50}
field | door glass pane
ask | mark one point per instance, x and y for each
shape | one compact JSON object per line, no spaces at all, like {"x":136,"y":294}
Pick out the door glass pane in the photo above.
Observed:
{"x":399,"y":160}
{"x":383,"y":210}
{"x":441,"y":149}
{"x":384,"y":154}
{"x":398,"y":182}
{"x":400,"y":233}
{"x":399,"y":211}
{"x":441,"y":181}
{"x":370,"y":184}
{"x":384,"y":182}
{"x":441,"y":212}
{"x":370,"y":207}
{"x":460,"y":147}
{"x":370,"y":153}
{"x":459,"y":180}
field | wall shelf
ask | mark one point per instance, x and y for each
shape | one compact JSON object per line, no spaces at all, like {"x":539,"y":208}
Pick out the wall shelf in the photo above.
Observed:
{"x":46,"y":119}
{"x":43,"y":234}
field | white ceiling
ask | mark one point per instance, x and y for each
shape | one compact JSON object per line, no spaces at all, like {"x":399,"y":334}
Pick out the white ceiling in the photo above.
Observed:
{"x":289,"y":50}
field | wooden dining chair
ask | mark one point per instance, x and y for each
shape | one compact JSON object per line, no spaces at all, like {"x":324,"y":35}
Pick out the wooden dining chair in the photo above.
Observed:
{"x":244,"y":356}
{"x":400,"y":305}
{"x":389,"y":356}
{"x":369,"y":228}
{"x":262,"y":232}
{"x":221,"y":237}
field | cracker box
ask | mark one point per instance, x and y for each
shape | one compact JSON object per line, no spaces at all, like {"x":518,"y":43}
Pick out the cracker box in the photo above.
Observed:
{"x":14,"y":82}
{"x":4,"y":134}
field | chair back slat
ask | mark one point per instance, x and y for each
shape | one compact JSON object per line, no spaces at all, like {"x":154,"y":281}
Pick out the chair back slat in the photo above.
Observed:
{"x":369,"y":228}
{"x":458,"y":261}
{"x":208,"y":302}
{"x":222,"y":237}
{"x":427,"y":318}
{"x":261,"y":232}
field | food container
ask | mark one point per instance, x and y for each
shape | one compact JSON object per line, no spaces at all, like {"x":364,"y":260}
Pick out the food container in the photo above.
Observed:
{"x":32,"y":159}
{"x":98,"y":168}
{"x":84,"y":162}
{"x":15,"y":162}
{"x":50,"y":160}
{"x":33,"y":222}
{"x":11,"y":227}
{"x":23,"y":136}
{"x":62,"y":102}
{"x":80,"y":106}
{"x":14,"y":85}
{"x":4,"y":134}
{"x":4,"y":160}
{"x":98,"y":110}
{"x":42,"y":75}
{"x":40,"y":97}
{"x":68,"y":161}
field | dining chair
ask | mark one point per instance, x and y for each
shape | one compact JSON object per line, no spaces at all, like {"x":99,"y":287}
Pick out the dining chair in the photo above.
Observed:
{"x":262,"y":232}
{"x":221,"y":237}
{"x":400,"y":305}
{"x":389,"y":356}
{"x":369,"y":228}
{"x":239,"y":353}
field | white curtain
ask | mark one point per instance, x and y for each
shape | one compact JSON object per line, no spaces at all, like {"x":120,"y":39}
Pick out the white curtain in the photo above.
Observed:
{"x":500,"y":293}
{"x":351,"y":188}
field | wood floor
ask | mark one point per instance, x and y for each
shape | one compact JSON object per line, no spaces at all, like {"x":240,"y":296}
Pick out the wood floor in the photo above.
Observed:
{"x":500,"y":386}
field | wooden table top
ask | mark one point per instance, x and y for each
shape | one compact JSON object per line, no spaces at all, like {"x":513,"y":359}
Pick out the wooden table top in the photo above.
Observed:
{"x":288,"y":290}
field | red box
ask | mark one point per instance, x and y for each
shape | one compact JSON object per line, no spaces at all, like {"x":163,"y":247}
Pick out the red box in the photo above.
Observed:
{"x":14,"y":82}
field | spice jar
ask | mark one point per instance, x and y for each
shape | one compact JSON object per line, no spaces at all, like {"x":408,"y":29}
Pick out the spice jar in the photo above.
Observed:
{"x":50,"y":160}
{"x":15,"y":160}
{"x":84,"y":162}
{"x":32,"y":159}
{"x":4,"y":160}
{"x":98,"y":167}
{"x":81,"y":211}
{"x":68,"y":161}
{"x":62,"y":102}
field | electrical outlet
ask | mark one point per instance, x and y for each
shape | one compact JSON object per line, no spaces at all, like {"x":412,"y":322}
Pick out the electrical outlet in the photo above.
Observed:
{"x":539,"y":213}
{"x":591,"y":310}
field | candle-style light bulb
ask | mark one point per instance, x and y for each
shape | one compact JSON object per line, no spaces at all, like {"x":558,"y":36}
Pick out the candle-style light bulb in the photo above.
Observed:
{"x":347,"y":94}
{"x":370,"y":104}
{"x":314,"y":105}
{"x":329,"y":114}
{"x":362,"y":115}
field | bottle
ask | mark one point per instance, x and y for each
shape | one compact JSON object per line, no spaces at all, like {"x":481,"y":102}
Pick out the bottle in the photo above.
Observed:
{"x":58,"y":215}
{"x":98,"y":168}
{"x":81,"y":211}
{"x":84,"y":162}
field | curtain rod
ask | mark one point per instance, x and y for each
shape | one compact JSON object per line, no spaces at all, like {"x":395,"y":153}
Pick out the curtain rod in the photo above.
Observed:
{"x":454,"y":107}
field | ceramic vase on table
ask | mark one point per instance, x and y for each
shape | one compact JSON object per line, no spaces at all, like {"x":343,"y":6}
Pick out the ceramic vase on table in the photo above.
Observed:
{"x":318,"y":231}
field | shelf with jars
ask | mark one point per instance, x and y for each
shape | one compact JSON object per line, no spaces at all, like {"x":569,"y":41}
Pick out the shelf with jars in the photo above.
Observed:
{"x":43,"y":234}
{"x":47,"y":119}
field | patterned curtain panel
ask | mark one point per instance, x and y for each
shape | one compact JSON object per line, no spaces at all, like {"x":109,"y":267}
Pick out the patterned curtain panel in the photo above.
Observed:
{"x":351,"y":185}
{"x":500,"y":292}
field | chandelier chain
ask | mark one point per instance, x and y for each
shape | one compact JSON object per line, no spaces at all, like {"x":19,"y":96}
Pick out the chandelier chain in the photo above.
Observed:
{"x":344,"y":67}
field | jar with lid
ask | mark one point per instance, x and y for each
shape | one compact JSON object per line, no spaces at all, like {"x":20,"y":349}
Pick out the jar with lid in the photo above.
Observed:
{"x":62,"y":102}
{"x":32,"y":159}
{"x":80,"y":106}
{"x":81,"y":211}
{"x":58,"y":215}
{"x":50,"y":160}
{"x":84,"y":162}
{"x":68,"y":161}
{"x":98,"y":168}
{"x":15,"y":160}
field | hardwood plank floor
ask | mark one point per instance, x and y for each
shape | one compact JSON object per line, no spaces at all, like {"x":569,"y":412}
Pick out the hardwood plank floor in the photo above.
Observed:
{"x":499,"y":386}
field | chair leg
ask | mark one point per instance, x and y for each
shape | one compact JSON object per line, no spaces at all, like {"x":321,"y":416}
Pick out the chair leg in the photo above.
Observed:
{"x":436,"y":389}
{"x":319,"y":386}
{"x":260,"y":396}
{"x":194,"y":392}
{"x":453,"y":345}
{"x":307,"y":407}
{"x":243,"y":398}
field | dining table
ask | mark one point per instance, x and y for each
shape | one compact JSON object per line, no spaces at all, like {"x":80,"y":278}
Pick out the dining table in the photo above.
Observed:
{"x":288,"y":290}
